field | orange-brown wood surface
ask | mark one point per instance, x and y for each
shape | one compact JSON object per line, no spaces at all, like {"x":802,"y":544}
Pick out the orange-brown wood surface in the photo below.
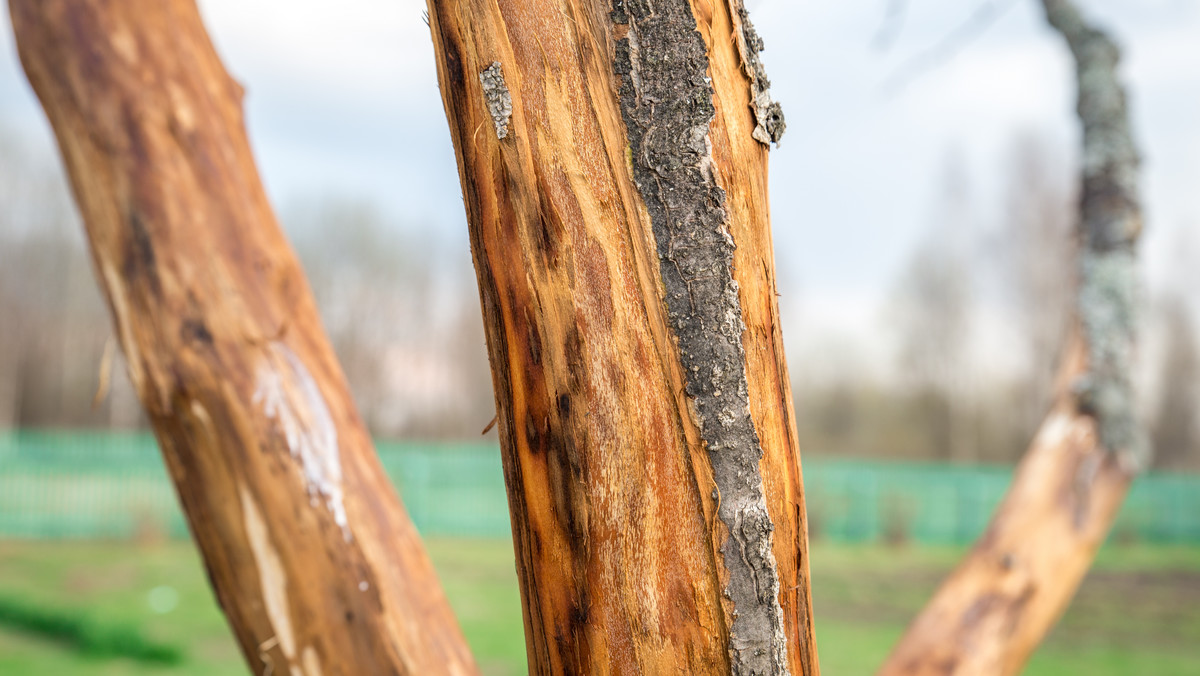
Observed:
{"x":993,"y":611}
{"x":309,"y":550}
{"x":611,"y":491}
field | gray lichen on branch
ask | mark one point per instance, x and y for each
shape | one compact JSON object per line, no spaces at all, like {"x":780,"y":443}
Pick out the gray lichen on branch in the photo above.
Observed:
{"x":1107,"y":311}
{"x":1110,"y":226}
{"x":666,"y":101}
{"x":497,"y":97}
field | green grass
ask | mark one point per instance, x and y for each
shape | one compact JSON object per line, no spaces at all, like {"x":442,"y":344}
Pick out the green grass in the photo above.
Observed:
{"x":1138,"y":612}
{"x":89,"y":635}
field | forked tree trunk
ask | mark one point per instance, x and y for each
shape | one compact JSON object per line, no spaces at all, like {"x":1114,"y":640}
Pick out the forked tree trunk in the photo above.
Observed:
{"x":992,"y":612}
{"x":613,"y":160}
{"x":308,"y":548}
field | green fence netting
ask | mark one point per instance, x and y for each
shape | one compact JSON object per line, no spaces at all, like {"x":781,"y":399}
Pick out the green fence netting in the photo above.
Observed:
{"x":110,"y":485}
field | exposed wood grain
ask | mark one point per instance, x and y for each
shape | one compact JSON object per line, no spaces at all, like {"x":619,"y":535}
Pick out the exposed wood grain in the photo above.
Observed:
{"x":311,"y":554}
{"x":993,"y":611}
{"x":614,"y":504}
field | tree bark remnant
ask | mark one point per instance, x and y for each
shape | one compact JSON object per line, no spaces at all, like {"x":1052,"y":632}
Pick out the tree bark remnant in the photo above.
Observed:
{"x":613,"y":162}
{"x":308,"y":548}
{"x":992,"y":612}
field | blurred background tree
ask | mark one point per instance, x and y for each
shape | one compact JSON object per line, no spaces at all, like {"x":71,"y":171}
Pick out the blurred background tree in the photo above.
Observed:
{"x":403,"y":314}
{"x":976,"y":319}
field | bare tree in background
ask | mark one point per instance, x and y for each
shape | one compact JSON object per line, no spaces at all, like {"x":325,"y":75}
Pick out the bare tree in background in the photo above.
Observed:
{"x":932,"y":309}
{"x":1037,"y":240}
{"x":354,"y":277}
{"x":1174,"y":432}
{"x":48,"y":349}
{"x":402,"y":317}
{"x":401,"y":314}
{"x":1175,"y":420}
{"x":12,"y":326}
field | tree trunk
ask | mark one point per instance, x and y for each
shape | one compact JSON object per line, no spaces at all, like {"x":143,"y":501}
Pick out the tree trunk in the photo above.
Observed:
{"x":992,"y":612}
{"x":613,"y":161}
{"x":308,"y":548}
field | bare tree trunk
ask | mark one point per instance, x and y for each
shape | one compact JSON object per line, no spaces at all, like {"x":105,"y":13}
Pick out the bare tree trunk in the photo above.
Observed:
{"x":992,"y":612}
{"x":311,"y":554}
{"x":12,"y":345}
{"x":613,"y":161}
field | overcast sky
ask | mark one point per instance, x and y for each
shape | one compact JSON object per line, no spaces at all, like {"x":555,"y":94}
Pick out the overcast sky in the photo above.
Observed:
{"x":342,"y":101}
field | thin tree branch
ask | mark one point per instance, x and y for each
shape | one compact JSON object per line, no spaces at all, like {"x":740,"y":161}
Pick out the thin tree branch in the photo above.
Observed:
{"x":891,"y":25}
{"x":993,"y":611}
{"x":983,"y":18}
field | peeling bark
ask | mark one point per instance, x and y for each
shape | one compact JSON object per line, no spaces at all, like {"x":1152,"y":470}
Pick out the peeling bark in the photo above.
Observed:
{"x":307,"y":546}
{"x":666,"y":103}
{"x":992,"y":612}
{"x":768,"y":114}
{"x":621,"y":239}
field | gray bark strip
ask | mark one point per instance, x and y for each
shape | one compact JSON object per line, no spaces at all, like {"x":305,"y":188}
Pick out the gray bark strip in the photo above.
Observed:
{"x":666,"y":102}
{"x":768,"y":114}
{"x":1109,"y":229}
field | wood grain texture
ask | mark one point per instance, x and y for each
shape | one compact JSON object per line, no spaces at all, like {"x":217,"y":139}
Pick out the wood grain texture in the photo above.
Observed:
{"x":994,"y":610}
{"x":308,"y":548}
{"x":611,"y":489}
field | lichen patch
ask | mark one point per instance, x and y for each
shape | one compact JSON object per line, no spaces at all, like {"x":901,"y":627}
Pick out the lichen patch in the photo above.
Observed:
{"x":497,"y":97}
{"x":1109,"y":230}
{"x":1107,"y":312}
